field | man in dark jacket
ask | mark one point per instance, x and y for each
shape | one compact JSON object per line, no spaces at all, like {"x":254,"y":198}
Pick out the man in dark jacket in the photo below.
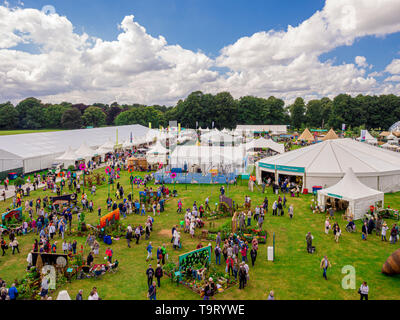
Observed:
{"x":150,"y":274}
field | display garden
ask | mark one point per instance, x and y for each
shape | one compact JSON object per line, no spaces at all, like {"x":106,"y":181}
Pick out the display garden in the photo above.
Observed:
{"x":295,"y":274}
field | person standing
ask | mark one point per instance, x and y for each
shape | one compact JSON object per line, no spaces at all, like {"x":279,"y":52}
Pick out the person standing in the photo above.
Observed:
{"x":159,"y":274}
{"x":271,"y":296}
{"x":327,"y":225}
{"x":363,"y":291}
{"x":152,"y":291}
{"x":291,"y":211}
{"x":364,"y":231}
{"x":129,"y":235}
{"x":217,"y":251}
{"x":325,"y":264}
{"x":253,"y":255}
{"x":242,"y":276}
{"x":150,"y":275}
{"x":385,"y":228}
{"x":79,"y":295}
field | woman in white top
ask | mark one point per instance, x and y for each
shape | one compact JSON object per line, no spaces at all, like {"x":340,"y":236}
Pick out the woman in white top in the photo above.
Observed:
{"x":94,"y":295}
{"x":291,"y":211}
{"x":363,"y":291}
{"x":327,"y":225}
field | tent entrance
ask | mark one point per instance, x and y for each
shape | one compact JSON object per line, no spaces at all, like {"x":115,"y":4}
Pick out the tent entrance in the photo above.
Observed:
{"x":336,"y":204}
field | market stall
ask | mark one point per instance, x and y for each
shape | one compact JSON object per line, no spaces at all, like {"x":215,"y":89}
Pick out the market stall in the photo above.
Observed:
{"x":350,"y":189}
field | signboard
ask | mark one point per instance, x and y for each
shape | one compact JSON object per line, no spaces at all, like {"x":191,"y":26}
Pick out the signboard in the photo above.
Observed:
{"x":335,"y":195}
{"x":290,"y":169}
{"x":267,"y":166}
{"x":363,"y":133}
{"x":16,"y":213}
{"x":191,"y":259}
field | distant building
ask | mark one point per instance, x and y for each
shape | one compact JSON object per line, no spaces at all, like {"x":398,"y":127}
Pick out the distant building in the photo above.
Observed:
{"x":273,"y":129}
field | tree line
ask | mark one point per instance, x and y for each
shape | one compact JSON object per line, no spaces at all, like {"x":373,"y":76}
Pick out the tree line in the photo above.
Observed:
{"x":204,"y":110}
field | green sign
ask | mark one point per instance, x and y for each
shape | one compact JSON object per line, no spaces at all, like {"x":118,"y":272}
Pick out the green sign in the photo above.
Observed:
{"x":335,"y":195}
{"x":290,"y":169}
{"x":267,"y":166}
{"x":197,"y":257}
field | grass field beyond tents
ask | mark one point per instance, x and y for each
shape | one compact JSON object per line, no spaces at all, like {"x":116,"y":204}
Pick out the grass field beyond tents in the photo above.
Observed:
{"x":294,"y":274}
{"x":12,"y":132}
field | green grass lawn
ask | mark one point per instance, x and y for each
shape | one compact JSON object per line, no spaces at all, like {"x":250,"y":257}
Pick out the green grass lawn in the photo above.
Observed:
{"x":11,"y":132}
{"x":294,"y":274}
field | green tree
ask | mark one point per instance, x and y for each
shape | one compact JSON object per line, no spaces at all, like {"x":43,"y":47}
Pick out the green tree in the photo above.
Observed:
{"x":94,"y":116}
{"x":314,"y":113}
{"x":112,"y":113}
{"x":8,"y":116}
{"x":53,"y":115}
{"x":71,"y":119}
{"x":23,"y":107}
{"x":297,"y":113}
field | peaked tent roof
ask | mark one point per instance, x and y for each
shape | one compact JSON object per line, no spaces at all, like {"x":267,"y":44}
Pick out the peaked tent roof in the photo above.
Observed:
{"x":68,"y":155}
{"x":351,"y":188}
{"x":331,"y":135}
{"x":333,"y":157}
{"x":368,"y":137}
{"x":84,"y":151}
{"x":306,"y":136}
{"x":265,"y":144}
{"x":158,"y":148}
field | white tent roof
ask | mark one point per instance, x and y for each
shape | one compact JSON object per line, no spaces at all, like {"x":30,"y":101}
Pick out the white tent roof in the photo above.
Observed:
{"x":265,"y":144}
{"x":350,"y":188}
{"x":84,"y":151}
{"x":69,"y":155}
{"x":158,"y":148}
{"x":126,"y":144}
{"x":63,"y":295}
{"x":333,"y":157}
{"x":217,"y":136}
{"x":368,"y":138}
{"x":32,"y":145}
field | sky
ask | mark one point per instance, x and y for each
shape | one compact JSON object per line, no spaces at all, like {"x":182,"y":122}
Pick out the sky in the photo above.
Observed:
{"x":159,"y":51}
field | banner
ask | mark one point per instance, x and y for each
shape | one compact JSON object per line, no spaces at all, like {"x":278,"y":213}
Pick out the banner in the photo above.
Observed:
{"x":343,"y":127}
{"x":109,"y":216}
{"x":199,"y":256}
{"x":363,"y":134}
{"x":15,"y":213}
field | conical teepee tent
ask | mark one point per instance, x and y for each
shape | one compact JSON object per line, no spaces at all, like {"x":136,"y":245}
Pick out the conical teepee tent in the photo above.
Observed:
{"x":306,"y":136}
{"x":331,"y":135}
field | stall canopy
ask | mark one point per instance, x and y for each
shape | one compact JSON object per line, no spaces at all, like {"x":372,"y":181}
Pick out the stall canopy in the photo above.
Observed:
{"x":359,"y":196}
{"x":68,"y":158}
{"x":157,"y":154}
{"x":84,"y":152}
{"x":263,"y":143}
{"x":324,"y":164}
{"x":306,"y":136}
{"x":331,"y":135}
{"x":368,"y":138}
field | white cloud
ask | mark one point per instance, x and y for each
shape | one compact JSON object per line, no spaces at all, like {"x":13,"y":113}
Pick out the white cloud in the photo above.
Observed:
{"x":138,"y":67}
{"x":394,"y":67}
{"x":393,"y":78}
{"x":361,"y":61}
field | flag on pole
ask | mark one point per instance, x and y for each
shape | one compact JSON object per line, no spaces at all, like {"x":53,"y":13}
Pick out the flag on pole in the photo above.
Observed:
{"x":149,"y":125}
{"x":131,"y":138}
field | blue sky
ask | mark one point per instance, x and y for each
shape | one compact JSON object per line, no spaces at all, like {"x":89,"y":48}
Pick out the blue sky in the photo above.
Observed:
{"x":209,"y":25}
{"x":210,"y":28}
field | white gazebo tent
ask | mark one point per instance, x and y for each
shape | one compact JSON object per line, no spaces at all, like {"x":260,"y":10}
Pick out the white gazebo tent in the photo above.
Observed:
{"x":263,"y":143}
{"x":68,"y":158}
{"x":157,"y":154}
{"x":359,"y":196}
{"x":106,"y":147}
{"x":368,"y":138}
{"x":85,"y":152}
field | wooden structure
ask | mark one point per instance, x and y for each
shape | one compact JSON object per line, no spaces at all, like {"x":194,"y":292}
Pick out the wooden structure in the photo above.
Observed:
{"x":138,"y":164}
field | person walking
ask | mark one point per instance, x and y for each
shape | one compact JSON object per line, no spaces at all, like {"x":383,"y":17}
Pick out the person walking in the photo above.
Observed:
{"x":129,"y":235}
{"x":152,"y":292}
{"x":150,"y":275}
{"x":325,"y":264}
{"x":363,"y":291}
{"x":291,"y":211}
{"x":217,"y":251}
{"x":327,"y":225}
{"x":149,"y":251}
{"x":159,"y":274}
{"x":253,"y":255}
{"x":385,"y":228}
